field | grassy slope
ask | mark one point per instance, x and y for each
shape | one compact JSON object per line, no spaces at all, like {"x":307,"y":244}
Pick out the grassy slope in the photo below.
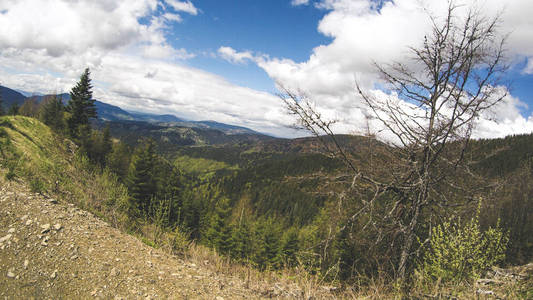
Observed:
{"x":32,"y":152}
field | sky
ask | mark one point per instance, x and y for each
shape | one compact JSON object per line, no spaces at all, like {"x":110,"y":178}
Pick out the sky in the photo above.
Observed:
{"x":221,"y":59}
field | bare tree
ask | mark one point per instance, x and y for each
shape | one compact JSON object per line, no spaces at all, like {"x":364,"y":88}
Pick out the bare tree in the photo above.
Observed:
{"x":434,"y":102}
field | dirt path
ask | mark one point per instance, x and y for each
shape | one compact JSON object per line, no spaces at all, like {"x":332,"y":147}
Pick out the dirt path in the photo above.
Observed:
{"x":54,"y":250}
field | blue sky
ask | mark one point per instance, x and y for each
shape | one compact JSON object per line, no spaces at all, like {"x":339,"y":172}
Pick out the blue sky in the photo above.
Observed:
{"x":273,"y":27}
{"x":219,"y":59}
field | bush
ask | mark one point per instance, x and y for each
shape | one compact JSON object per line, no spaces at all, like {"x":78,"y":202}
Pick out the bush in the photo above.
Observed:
{"x":463,"y":252}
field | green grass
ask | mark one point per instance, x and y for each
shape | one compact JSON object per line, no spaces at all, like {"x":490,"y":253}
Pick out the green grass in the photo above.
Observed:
{"x":50,"y":164}
{"x":201,"y":166}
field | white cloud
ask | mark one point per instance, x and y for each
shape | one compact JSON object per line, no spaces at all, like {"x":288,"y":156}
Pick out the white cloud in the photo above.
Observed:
{"x":184,"y":6}
{"x":299,"y":2}
{"x":235,"y":57}
{"x":60,"y":27}
{"x":364,"y":33}
{"x":173,"y":17}
{"x":45,"y":45}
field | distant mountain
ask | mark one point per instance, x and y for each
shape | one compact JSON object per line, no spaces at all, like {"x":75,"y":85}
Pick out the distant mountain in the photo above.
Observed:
{"x":111,"y":113}
{"x":155,"y":118}
{"x":10,"y":96}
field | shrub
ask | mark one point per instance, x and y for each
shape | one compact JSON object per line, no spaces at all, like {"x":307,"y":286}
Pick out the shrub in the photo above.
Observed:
{"x":460,"y":252}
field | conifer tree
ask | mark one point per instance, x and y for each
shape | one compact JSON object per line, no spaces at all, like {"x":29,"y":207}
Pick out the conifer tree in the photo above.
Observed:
{"x":1,"y":106}
{"x":140,"y":179}
{"x":219,"y":233}
{"x":13,"y":109}
{"x":267,"y":250}
{"x":241,"y":242}
{"x":81,"y":105}
{"x":51,"y":113}
{"x":290,"y":247}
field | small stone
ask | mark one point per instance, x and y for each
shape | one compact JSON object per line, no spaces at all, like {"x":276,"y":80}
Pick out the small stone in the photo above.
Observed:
{"x":73,"y":257}
{"x":57,"y":227}
{"x":53,"y":201}
{"x":28,"y":222}
{"x":26,"y":263}
{"x":149,"y":263}
{"x":5,"y":238}
{"x":219,"y":298}
{"x":45,"y":227}
{"x":114,"y":272}
{"x":24,"y":217}
{"x":11,"y":230}
{"x":11,"y":273}
{"x":54,"y":274}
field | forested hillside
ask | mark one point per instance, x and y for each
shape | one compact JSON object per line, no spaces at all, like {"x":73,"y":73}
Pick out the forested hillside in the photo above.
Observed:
{"x":268,"y":203}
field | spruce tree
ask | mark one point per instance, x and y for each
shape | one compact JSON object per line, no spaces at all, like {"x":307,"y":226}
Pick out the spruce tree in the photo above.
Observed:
{"x":241,"y":242}
{"x":51,"y":113}
{"x":140,"y":179}
{"x":290,"y":247}
{"x":1,"y":105}
{"x":219,"y":232}
{"x":13,"y":109}
{"x":268,"y":247}
{"x":81,"y":105}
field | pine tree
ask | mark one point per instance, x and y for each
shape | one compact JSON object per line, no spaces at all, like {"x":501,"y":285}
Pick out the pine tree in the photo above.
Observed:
{"x":347,"y":254}
{"x":107,"y":143}
{"x":81,"y":105}
{"x":290,"y":247}
{"x":241,"y":242}
{"x":140,"y":179}
{"x":1,"y":105}
{"x":13,"y":109}
{"x":51,"y":113}
{"x":219,"y":233}
{"x":268,"y":247}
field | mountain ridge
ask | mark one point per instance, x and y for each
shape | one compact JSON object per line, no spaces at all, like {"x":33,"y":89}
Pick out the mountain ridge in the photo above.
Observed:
{"x":109,"y":112}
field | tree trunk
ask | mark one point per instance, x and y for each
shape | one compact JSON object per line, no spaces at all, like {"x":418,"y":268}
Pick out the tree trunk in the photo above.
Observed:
{"x":408,"y":242}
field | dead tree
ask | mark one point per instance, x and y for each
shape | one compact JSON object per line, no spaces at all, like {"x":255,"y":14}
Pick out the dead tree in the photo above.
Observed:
{"x":434,"y":100}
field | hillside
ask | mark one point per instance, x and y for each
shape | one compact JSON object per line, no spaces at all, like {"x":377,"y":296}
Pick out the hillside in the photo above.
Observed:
{"x":78,"y":247}
{"x":50,"y":249}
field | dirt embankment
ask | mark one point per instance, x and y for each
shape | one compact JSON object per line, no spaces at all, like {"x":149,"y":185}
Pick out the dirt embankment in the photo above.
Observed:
{"x":54,"y":250}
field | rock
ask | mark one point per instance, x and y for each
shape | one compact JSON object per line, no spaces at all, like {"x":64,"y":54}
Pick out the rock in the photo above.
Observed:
{"x":114,"y":272}
{"x":11,"y":273}
{"x":24,"y":217}
{"x":52,"y":201}
{"x":45,"y":228}
{"x":57,"y":227}
{"x":486,"y":281}
{"x":219,"y":298}
{"x":485,"y":292}
{"x":44,"y":242}
{"x":26,"y":263}
{"x":54,"y":275}
{"x":28,"y":222}
{"x":11,"y":230}
{"x":5,"y":238}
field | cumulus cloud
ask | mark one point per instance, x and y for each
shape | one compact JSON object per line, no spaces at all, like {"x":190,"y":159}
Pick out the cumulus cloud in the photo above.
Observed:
{"x":234,"y":56}
{"x":299,"y":2}
{"x":45,"y":45}
{"x":184,"y":6}
{"x":366,"y":31}
{"x":58,"y":26}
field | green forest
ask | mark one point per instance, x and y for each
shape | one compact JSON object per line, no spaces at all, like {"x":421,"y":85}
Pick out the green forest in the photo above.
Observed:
{"x":275,"y":203}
